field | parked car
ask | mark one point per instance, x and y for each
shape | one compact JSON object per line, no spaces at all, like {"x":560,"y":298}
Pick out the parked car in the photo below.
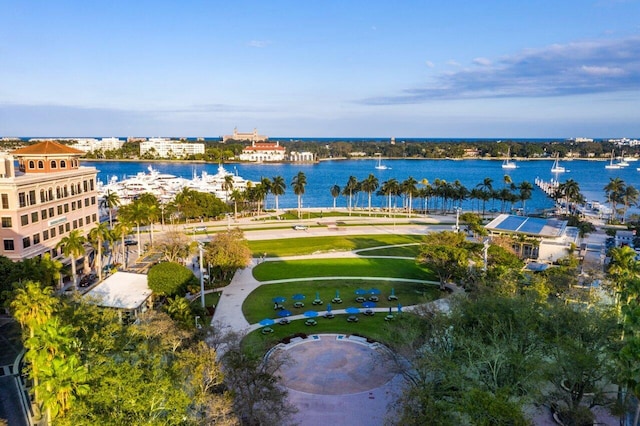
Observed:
{"x":300,"y":227}
{"x":130,"y":243}
{"x":200,"y":228}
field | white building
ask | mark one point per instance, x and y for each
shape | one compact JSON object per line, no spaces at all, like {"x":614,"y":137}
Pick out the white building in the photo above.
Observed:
{"x":104,"y":144}
{"x":302,"y":157}
{"x":165,"y":148}
{"x":259,"y":152}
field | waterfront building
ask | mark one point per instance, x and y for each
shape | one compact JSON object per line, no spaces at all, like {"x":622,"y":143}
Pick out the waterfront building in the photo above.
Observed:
{"x":259,"y":152}
{"x":45,"y":198}
{"x":104,"y":144}
{"x":301,"y":157}
{"x":166,"y":148}
{"x":242,"y":136}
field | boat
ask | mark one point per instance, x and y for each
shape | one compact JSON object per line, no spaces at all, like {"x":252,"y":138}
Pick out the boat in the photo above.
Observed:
{"x":612,"y":165}
{"x":507,"y":163}
{"x":380,"y":166}
{"x":557,"y":168}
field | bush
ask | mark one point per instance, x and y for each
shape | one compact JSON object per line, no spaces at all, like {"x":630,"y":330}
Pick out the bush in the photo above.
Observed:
{"x":169,"y":279}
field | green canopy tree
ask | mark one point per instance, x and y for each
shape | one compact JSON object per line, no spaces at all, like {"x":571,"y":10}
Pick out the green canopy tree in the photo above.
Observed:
{"x":72,"y":246}
{"x":298,"y":184}
{"x":335,"y":193}
{"x":227,"y":252}
{"x":98,"y":235}
{"x":278,"y":187}
{"x":169,"y":279}
{"x":445,"y":253}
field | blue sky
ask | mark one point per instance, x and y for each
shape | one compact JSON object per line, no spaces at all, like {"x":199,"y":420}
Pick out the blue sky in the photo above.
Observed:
{"x":350,"y":68}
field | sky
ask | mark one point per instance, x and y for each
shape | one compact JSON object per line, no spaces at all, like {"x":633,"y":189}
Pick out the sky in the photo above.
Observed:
{"x":332,"y":68}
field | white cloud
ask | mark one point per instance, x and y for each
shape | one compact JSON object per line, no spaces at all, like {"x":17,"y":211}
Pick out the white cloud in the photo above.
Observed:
{"x":430,"y":64}
{"x":602,"y":71}
{"x":258,"y":43}
{"x":484,"y":62}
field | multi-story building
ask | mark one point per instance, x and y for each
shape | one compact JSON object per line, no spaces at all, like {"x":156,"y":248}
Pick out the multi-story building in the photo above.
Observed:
{"x":104,"y":144}
{"x":166,"y":148}
{"x":259,"y":152}
{"x":45,"y":198}
{"x":245,"y":136}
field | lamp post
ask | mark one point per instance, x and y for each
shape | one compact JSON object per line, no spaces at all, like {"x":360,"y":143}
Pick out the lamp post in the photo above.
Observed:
{"x":201,"y":276}
{"x":458,"y":219}
{"x":485,"y":249}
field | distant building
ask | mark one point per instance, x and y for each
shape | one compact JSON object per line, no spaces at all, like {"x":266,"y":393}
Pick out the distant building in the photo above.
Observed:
{"x":167,"y":148}
{"x":48,"y":196}
{"x":259,"y":152}
{"x":104,"y":144}
{"x":581,"y":140}
{"x":302,"y":157}
{"x":249,"y":137}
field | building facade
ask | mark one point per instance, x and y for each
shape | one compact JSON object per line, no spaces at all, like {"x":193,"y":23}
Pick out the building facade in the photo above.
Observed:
{"x":104,"y":144}
{"x":243,"y":136}
{"x":166,"y":148}
{"x":259,"y":152}
{"x":47,"y":196}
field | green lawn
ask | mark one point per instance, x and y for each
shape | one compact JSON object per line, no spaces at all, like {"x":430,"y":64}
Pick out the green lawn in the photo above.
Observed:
{"x":299,"y":246}
{"x":349,"y":267}
{"x":259,"y":305}
{"x":407,"y":251}
{"x":374,"y":327}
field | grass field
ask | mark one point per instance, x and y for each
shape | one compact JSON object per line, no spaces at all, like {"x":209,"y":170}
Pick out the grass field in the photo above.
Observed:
{"x":349,"y":267}
{"x":300,"y":246}
{"x":259,"y":305}
{"x":406,"y":251}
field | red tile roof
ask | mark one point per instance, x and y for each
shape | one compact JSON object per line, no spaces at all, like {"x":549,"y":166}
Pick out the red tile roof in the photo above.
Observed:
{"x":47,"y":148}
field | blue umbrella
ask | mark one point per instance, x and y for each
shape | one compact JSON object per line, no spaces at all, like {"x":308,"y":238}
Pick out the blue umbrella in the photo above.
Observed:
{"x":374,"y":291}
{"x":351,"y":310}
{"x":369,"y":305}
{"x":328,"y":307}
{"x":310,"y":314}
{"x":399,"y":308}
{"x":361,"y":292}
{"x":279,"y":299}
{"x":298,"y":296}
{"x":267,"y":321}
{"x":284,"y":313}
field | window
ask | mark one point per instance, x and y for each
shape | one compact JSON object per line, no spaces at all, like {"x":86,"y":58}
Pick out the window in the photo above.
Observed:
{"x":43,"y":214}
{"x":50,"y":192}
{"x":93,"y":200}
{"x":51,"y":212}
{"x":61,"y":229}
{"x":26,"y":242}
{"x":45,"y":234}
{"x":6,"y":222}
{"x":43,"y":196}
{"x":8,"y":245}
{"x":36,"y":239}
{"x":91,"y":184}
{"x":5,"y":201}
{"x":67,"y":227}
{"x":65,"y":191}
{"x":86,"y":202}
{"x":24,"y":220}
{"x":22,"y":199}
{"x":54,"y":253}
{"x":58,"y":192}
{"x":80,"y":222}
{"x":60,"y":209}
{"x":32,"y":164}
{"x":73,"y":205}
{"x":34,"y":217}
{"x":85,"y":185}
{"x":53,"y":232}
{"x":41,"y":164}
{"x":66,"y":208}
{"x":54,"y":165}
{"x":88,"y":219}
{"x":93,"y":216}
{"x":63,"y":164}
{"x":32,"y":197}
{"x":75,"y":224}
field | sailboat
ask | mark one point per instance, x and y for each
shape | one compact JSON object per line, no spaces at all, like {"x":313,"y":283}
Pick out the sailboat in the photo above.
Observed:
{"x":507,"y":163}
{"x":557,"y":168}
{"x":612,"y":165}
{"x":380,"y":166}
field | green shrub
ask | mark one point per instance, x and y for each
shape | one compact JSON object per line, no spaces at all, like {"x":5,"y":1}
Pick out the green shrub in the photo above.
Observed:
{"x":169,"y":279}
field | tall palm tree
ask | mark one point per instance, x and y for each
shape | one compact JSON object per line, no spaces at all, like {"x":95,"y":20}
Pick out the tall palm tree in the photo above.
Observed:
{"x":486,"y":186}
{"x":369,"y":185}
{"x":525,"y":194}
{"x":614,"y":189}
{"x":409,"y":189}
{"x":111,"y":200}
{"x":135,"y":213}
{"x":237,"y":197}
{"x":278,"y":186}
{"x":389,"y":189}
{"x":121,"y":230}
{"x":152,"y":204}
{"x":335,"y":193}
{"x":99,"y":235}
{"x":298,"y":184}
{"x":266,"y":188}
{"x":72,"y":246}
{"x":227,"y":185}
{"x":349,"y":189}
{"x":629,"y":198}
{"x":425,"y":193}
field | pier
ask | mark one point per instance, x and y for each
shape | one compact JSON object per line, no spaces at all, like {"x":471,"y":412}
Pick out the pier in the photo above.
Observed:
{"x":548,"y":188}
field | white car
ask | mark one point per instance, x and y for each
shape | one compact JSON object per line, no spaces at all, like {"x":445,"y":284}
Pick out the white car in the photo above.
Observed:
{"x":300,"y":227}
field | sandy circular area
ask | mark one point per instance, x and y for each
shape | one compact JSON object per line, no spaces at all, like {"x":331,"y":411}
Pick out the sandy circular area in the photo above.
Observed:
{"x":331,"y":366}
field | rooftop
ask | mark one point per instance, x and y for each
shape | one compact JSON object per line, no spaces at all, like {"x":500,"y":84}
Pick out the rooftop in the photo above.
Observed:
{"x":47,"y":148}
{"x":122,"y":290}
{"x":533,"y":226}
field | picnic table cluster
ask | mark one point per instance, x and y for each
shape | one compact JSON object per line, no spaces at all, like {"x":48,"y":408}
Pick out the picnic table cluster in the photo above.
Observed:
{"x":368,"y":299}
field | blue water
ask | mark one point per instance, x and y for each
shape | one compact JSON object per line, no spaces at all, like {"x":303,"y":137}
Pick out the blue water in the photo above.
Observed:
{"x":591,"y":176}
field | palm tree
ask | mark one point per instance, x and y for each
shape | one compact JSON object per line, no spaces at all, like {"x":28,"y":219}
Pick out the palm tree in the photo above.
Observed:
{"x":408,"y":187}
{"x":349,"y":189}
{"x":135,"y":212}
{"x":73,"y":247}
{"x":389,"y":188}
{"x":298,"y":183}
{"x":369,"y":185}
{"x":266,"y":188}
{"x":629,"y":198}
{"x":237,"y":196}
{"x":111,"y":200}
{"x":99,"y":235}
{"x":525,"y":194}
{"x":121,"y":230}
{"x":153,"y":211}
{"x":614,"y":189}
{"x":425,"y":193}
{"x":227,"y":185}
{"x":335,"y":193}
{"x":278,"y":186}
{"x":570,"y":191}
{"x":486,"y":186}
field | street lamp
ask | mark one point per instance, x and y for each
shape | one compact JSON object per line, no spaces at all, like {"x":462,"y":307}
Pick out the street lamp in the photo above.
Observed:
{"x":458,"y":209}
{"x":201,"y":276}
{"x":485,"y":249}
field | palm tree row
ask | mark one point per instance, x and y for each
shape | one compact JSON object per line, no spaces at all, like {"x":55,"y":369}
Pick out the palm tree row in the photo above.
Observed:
{"x":440,"y":195}
{"x":619,"y":193}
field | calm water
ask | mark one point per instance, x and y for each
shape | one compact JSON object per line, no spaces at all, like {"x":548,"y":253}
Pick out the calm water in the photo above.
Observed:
{"x":591,"y":175}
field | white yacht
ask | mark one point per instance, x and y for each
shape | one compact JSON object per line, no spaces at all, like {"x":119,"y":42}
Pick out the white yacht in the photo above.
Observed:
{"x":380,"y":166}
{"x":557,"y":168}
{"x":507,"y":163}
